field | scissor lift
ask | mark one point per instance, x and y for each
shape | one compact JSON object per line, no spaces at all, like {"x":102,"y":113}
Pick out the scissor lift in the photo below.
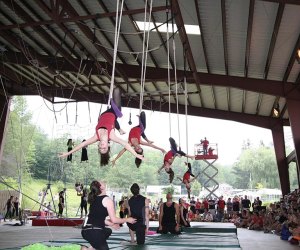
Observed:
{"x":209,"y":156}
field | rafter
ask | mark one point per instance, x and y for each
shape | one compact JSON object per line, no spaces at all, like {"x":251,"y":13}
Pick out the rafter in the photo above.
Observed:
{"x":76,"y":19}
{"x":264,"y":86}
{"x":186,"y":44}
{"x":260,"y":121}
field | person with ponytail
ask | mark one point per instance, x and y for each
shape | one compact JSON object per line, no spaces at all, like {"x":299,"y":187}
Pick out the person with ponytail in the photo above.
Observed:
{"x":101,"y":207}
{"x":105,"y":132}
{"x":134,"y":140}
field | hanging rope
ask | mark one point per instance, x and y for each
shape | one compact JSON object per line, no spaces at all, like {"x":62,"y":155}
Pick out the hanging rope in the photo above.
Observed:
{"x":145,"y":54}
{"x":117,"y":34}
{"x":176,"y":86}
{"x":185,"y":104}
{"x":169,"y":81}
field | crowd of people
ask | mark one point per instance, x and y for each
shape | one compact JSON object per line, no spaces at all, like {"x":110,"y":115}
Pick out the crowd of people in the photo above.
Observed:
{"x":280,"y":218}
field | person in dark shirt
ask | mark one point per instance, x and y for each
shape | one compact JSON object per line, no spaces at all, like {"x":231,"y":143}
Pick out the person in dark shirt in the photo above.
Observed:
{"x":169,"y":217}
{"x":9,"y":207}
{"x":61,"y":203}
{"x":101,"y":206}
{"x":246,"y":203}
{"x":83,"y":202}
{"x":138,"y":208}
{"x":257,"y":204}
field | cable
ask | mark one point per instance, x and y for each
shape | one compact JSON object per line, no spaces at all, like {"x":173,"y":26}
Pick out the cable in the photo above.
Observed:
{"x":117,"y":34}
{"x":145,"y":54}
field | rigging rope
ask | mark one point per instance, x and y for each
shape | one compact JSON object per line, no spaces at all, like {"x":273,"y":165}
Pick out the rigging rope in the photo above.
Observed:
{"x":117,"y":34}
{"x":176,"y":88}
{"x":169,"y":81}
{"x":145,"y":54}
{"x":186,"y":102}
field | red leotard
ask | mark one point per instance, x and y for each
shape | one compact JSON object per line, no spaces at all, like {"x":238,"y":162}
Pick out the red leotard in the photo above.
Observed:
{"x":168,"y":156}
{"x":186,"y":176}
{"x":135,"y":133}
{"x":106,"y":120}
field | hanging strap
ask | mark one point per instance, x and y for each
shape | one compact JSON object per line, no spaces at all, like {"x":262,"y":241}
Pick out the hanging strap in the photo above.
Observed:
{"x":145,"y":53}
{"x":186,"y":102}
{"x":117,"y":34}
{"x":169,"y":81}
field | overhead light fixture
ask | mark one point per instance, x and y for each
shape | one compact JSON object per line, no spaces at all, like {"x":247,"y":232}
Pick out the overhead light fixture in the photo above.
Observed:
{"x":298,"y":56}
{"x":276,"y":110}
{"x":163,"y":27}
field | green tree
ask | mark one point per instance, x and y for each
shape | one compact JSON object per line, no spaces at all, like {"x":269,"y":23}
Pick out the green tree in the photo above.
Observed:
{"x":19,"y":149}
{"x":260,"y":163}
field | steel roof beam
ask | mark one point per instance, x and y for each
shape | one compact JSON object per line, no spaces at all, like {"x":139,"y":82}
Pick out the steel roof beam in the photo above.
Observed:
{"x":260,"y":121}
{"x":270,"y":87}
{"x":78,"y":18}
{"x":296,"y":2}
{"x":292,"y":60}
{"x":186,"y":44}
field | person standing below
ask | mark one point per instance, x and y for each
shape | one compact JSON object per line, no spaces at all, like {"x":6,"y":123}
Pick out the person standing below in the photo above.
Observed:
{"x":221,"y":208}
{"x":61,"y":203}
{"x":236,"y":205}
{"x":246,"y":203}
{"x":193,"y":205}
{"x":205,"y":144}
{"x":9,"y":207}
{"x":16,"y":204}
{"x":139,"y":209}
{"x":83,"y":202}
{"x":198,"y":206}
{"x":101,"y":206}
{"x":169,"y":217}
{"x":229,"y":208}
{"x":257,"y":204}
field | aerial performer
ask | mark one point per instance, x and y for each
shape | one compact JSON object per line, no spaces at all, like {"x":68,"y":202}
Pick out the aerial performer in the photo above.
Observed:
{"x":134,"y":139}
{"x":84,"y":154}
{"x":70,"y":145}
{"x":105,"y":132}
{"x":186,"y":179}
{"x":169,"y":158}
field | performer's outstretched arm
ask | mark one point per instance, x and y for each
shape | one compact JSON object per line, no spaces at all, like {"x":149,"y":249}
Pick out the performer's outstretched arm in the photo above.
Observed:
{"x":150,"y":144}
{"x":126,"y":145}
{"x":118,"y":156}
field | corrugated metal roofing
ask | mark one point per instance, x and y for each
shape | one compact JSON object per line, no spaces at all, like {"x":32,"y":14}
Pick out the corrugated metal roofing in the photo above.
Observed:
{"x":44,"y":47}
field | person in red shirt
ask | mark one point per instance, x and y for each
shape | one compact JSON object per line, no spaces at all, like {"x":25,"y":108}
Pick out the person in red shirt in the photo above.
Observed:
{"x":105,"y":133}
{"x":198,"y":205}
{"x":169,"y":158}
{"x":205,"y":203}
{"x":134,"y":139}
{"x":186,"y":179}
{"x":204,"y":143}
{"x":221,"y":207}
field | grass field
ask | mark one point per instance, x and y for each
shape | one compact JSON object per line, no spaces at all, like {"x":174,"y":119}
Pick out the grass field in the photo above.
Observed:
{"x":33,"y":188}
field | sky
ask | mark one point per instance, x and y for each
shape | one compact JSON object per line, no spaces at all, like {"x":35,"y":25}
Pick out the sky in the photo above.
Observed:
{"x":228,"y":135}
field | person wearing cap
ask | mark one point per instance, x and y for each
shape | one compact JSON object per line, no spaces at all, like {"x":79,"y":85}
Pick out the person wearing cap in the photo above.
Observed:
{"x":138,"y":208}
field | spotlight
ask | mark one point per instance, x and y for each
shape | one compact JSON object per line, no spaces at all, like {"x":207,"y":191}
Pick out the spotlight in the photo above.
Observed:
{"x":298,"y":56}
{"x":276,"y":110}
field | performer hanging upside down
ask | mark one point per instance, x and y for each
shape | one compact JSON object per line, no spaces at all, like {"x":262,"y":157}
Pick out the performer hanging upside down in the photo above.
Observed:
{"x":169,"y":158}
{"x":186,"y":179}
{"x":134,"y":139}
{"x":105,"y":132}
